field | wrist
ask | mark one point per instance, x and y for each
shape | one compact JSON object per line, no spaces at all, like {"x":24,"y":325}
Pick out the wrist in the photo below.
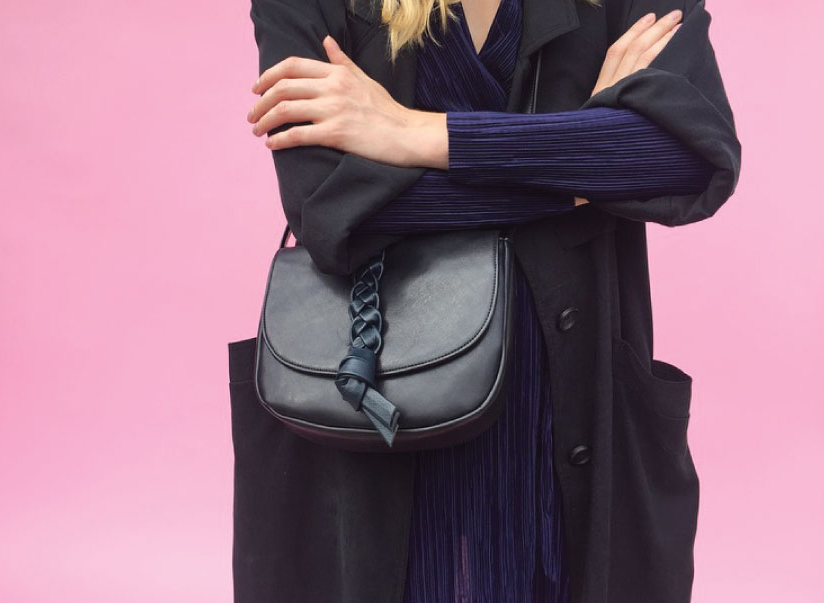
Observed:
{"x":427,"y":139}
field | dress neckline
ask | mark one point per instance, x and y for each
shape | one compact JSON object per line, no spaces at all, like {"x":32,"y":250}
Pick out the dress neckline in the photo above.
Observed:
{"x":456,"y":76}
{"x":490,"y":34}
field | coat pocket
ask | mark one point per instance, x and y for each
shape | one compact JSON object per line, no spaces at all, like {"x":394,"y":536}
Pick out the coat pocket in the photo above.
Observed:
{"x":655,"y":485}
{"x":663,"y":389}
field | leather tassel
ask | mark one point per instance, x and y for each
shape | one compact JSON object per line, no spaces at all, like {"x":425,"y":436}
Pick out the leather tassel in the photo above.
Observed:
{"x":355,"y":382}
{"x":383,"y":414}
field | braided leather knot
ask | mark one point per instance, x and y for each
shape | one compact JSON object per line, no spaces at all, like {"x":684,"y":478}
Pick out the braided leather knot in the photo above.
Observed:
{"x":364,"y":303}
{"x":355,"y":378}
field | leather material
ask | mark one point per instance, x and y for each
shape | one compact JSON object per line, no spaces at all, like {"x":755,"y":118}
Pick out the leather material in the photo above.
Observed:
{"x":446,"y":304}
{"x":355,"y":378}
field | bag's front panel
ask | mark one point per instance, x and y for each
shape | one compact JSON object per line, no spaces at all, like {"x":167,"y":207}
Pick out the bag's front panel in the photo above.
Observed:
{"x":434,"y":394}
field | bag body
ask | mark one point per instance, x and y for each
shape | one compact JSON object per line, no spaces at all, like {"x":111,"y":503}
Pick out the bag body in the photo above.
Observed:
{"x":445,"y":323}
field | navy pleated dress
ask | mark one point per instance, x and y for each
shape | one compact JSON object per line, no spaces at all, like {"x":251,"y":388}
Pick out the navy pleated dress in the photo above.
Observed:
{"x":486,"y":523}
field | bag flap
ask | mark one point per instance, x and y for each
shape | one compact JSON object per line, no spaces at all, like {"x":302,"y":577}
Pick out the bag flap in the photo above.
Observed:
{"x":437,"y":295}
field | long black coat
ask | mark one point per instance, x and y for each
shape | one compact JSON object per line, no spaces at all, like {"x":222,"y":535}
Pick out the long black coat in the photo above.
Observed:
{"x":338,"y":522}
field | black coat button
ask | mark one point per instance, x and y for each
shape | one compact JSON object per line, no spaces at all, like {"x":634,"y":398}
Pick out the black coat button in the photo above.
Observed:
{"x":580,"y":455}
{"x":567,"y":318}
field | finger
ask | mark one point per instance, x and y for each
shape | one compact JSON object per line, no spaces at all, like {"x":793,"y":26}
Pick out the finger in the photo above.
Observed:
{"x":297,"y":136}
{"x":285,"y":89}
{"x":649,"y":56}
{"x":616,"y":51}
{"x":335,"y":53}
{"x":293,"y":111}
{"x":644,"y":41}
{"x":338,"y":57}
{"x":291,"y":66}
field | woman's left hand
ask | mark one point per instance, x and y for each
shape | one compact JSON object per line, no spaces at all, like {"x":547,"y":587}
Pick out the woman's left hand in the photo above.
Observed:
{"x":348,"y":111}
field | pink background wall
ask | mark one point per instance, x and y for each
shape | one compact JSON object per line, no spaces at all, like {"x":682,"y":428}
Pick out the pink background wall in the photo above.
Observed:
{"x":139,"y":216}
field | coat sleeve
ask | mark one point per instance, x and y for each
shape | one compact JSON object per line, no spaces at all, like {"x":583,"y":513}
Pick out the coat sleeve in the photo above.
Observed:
{"x":325,"y":192}
{"x":682,"y":91}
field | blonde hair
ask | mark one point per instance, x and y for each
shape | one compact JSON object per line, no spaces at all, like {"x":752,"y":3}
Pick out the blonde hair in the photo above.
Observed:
{"x":408,"y":20}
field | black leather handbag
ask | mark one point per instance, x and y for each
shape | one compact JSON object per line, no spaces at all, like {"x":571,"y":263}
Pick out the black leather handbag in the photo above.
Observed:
{"x":411,"y":352}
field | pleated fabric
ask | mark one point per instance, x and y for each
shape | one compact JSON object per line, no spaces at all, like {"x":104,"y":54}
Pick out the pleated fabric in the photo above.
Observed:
{"x":602,"y":154}
{"x":486,"y":520}
{"x":486,"y":524}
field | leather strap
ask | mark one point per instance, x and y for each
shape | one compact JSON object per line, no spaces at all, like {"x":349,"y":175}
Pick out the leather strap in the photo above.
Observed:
{"x":285,"y":237}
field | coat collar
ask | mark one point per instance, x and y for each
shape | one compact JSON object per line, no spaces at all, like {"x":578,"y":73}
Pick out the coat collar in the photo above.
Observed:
{"x":543,"y":20}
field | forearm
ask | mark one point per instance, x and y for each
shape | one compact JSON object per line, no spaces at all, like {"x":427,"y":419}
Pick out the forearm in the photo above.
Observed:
{"x":599,"y":153}
{"x":507,"y":168}
{"x":436,"y":202}
{"x":325,"y":192}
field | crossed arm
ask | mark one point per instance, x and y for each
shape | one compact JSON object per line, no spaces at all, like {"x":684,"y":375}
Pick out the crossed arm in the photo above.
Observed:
{"x":506,"y":168}
{"x":333,"y":180}
{"x":487,"y":167}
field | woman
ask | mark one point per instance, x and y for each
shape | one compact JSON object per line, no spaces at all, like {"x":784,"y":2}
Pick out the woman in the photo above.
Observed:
{"x":483,"y":521}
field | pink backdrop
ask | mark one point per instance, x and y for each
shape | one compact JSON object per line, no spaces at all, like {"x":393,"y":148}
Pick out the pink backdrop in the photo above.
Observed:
{"x":139,"y":216}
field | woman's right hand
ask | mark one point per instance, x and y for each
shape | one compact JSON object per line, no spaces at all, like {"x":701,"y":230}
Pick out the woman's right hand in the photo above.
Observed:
{"x":637,"y":48}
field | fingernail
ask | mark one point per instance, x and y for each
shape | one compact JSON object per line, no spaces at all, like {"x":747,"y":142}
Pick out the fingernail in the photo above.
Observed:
{"x":674,"y":29}
{"x":675,"y":15}
{"x":648,"y":18}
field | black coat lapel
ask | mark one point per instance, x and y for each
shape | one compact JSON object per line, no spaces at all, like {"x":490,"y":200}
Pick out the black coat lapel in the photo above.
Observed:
{"x":543,"y":21}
